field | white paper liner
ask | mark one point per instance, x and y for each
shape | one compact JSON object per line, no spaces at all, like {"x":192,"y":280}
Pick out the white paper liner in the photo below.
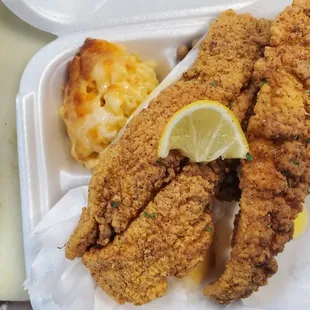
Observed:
{"x":54,"y":281}
{"x":57,"y":283}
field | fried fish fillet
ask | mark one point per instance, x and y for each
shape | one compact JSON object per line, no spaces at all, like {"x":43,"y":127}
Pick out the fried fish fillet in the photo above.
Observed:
{"x":275,"y":183}
{"x":129,"y":174}
{"x":169,"y":238}
{"x":172,"y":234}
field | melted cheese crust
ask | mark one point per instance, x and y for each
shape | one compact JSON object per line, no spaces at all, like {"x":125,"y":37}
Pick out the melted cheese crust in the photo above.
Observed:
{"x":105,"y":86}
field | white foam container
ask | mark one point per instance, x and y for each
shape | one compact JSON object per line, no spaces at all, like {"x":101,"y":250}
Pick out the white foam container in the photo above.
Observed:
{"x":153,"y":29}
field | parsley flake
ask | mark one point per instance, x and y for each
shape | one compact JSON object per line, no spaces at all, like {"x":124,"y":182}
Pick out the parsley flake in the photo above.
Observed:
{"x":307,"y":91}
{"x":308,"y":141}
{"x":264,"y":81}
{"x":296,"y":163}
{"x":149,"y":215}
{"x":213,"y":84}
{"x":230,"y":105}
{"x":61,"y":247}
{"x":115,"y":204}
{"x":268,"y":226}
{"x":209,"y":229}
{"x":249,"y":157}
{"x":285,"y":173}
{"x":209,"y":206}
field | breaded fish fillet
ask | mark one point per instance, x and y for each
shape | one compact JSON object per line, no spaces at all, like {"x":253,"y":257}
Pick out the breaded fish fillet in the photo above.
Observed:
{"x":172,"y":234}
{"x":129,"y":174}
{"x":275,"y":183}
{"x":169,"y":238}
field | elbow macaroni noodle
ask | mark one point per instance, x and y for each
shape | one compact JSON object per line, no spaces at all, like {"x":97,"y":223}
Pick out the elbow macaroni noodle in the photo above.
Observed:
{"x":105,"y":86}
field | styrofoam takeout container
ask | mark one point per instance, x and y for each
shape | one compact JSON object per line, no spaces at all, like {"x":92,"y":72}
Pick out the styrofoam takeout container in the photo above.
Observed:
{"x":153,"y":29}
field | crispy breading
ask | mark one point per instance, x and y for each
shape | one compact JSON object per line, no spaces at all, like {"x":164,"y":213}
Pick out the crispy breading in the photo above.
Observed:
{"x":129,"y":173}
{"x":169,"y":238}
{"x":274,"y":185}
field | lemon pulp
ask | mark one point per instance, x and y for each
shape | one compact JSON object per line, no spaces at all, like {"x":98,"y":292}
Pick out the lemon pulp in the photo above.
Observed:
{"x":301,"y":223}
{"x":204,"y":131}
{"x":200,"y":272}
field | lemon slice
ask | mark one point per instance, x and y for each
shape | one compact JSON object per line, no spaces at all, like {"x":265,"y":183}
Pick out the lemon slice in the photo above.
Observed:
{"x":204,"y":131}
{"x":301,"y":223}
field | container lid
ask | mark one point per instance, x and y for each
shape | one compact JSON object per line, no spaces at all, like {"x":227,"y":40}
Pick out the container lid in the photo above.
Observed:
{"x":62,"y":17}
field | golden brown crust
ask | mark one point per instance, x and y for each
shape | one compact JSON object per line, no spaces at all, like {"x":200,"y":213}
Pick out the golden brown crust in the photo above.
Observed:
{"x":274,"y":185}
{"x":129,"y":173}
{"x":169,"y":238}
{"x":172,"y":234}
{"x":105,"y":85}
{"x":90,"y":228}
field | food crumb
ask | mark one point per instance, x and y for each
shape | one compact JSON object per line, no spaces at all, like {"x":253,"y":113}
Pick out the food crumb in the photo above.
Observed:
{"x":182,"y":51}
